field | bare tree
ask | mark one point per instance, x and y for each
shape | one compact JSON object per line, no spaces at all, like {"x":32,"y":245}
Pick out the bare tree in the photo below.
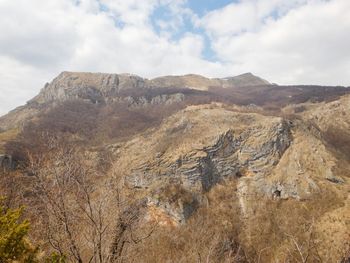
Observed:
{"x":85,"y":215}
{"x":304,"y":250}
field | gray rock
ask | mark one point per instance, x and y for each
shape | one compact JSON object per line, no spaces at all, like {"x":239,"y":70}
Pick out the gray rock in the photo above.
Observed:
{"x":175,"y":202}
{"x":230,"y":154}
{"x":96,"y":87}
{"x":7,"y":162}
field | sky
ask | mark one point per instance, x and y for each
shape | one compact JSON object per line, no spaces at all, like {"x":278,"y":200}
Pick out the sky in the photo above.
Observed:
{"x":283,"y":41}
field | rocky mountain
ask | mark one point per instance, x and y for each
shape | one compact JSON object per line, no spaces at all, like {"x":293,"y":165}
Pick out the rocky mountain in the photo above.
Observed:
{"x":101,"y":88}
{"x":182,"y":169}
{"x":245,"y":89}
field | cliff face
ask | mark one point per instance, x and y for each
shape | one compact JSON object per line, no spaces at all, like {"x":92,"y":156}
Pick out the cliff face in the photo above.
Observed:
{"x":98,"y":86}
{"x":202,"y":145}
{"x":90,"y":86}
{"x":277,"y":170}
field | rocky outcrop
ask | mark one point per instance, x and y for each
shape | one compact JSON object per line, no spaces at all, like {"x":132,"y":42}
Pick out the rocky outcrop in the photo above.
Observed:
{"x":99,"y":87}
{"x":184,"y":151}
{"x":172,"y":204}
{"x":255,"y":150}
{"x":202,"y":146}
{"x":165,"y":99}
{"x":307,"y":168}
{"x":95,"y":87}
{"x":6,"y":162}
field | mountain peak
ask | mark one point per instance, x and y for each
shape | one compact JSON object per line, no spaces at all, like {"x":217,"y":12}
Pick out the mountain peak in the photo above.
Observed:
{"x":247,"y":79}
{"x":98,"y":86}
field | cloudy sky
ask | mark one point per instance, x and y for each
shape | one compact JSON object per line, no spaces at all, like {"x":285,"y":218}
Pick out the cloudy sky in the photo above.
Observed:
{"x":283,"y":41}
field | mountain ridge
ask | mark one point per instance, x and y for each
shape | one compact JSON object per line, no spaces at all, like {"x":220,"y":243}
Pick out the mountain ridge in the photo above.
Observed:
{"x":110,"y":84}
{"x":108,"y":87}
{"x":244,"y":89}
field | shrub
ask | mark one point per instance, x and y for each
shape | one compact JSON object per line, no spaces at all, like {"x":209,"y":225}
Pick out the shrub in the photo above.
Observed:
{"x":13,"y":233}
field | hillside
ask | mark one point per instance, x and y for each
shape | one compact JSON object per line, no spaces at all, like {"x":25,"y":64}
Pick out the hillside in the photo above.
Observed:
{"x":118,"y":168}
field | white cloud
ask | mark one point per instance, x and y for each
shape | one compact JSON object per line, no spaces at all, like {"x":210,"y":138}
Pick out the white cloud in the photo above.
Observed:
{"x":38,"y":33}
{"x":307,"y":43}
{"x":247,"y":15}
{"x":132,"y":12}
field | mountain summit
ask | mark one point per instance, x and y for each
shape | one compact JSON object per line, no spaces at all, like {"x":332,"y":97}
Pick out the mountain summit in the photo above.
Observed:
{"x":81,"y":84}
{"x":103,"y":87}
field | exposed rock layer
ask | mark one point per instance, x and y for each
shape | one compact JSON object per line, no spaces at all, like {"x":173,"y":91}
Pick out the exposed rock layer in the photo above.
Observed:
{"x":99,"y":86}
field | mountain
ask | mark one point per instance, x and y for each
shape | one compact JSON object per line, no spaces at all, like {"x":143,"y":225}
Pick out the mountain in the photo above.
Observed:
{"x":246,"y":80}
{"x":100,"y":87}
{"x":182,"y":169}
{"x":106,"y":86}
{"x":244,"y":89}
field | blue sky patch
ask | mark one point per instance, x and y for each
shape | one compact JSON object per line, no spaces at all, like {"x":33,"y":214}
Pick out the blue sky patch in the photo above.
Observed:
{"x":201,"y":7}
{"x":162,"y":15}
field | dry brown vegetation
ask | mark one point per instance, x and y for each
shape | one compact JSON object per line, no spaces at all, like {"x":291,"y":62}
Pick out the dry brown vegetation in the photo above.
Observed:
{"x":279,"y":96}
{"x":6,"y":136}
{"x":75,"y":219}
{"x":339,"y":139}
{"x":72,"y":215}
{"x":210,"y":235}
{"x":75,"y":210}
{"x":218,"y":233}
{"x":99,"y":123}
{"x":85,"y":124}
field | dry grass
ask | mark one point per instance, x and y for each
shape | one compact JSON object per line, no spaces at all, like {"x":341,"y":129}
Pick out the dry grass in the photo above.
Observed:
{"x":7,"y":136}
{"x":339,"y":139}
{"x":209,"y":236}
{"x":218,"y":233}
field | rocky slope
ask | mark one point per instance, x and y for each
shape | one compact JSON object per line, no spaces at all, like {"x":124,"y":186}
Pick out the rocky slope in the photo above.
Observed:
{"x":267,"y":155}
{"x":271,"y":172}
{"x":269,"y":158}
